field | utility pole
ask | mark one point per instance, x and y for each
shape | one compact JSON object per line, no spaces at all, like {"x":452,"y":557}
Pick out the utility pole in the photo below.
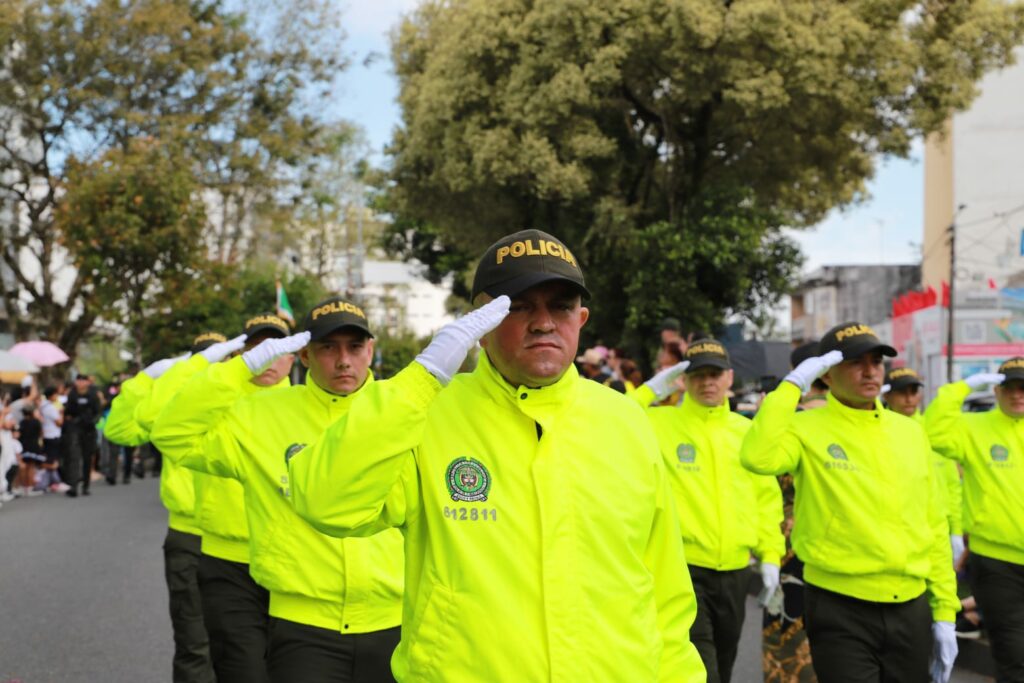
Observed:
{"x":951,"y":315}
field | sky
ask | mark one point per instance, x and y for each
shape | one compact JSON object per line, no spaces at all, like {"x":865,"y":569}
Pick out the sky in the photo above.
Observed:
{"x":885,"y":229}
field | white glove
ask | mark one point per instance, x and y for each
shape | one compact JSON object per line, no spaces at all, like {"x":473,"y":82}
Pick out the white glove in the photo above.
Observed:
{"x":446,"y":351}
{"x":770,"y":577}
{"x":215,"y":353}
{"x":957,"y":542}
{"x":982,"y":379}
{"x":158,"y":368}
{"x":811,"y":369}
{"x":886,"y":388}
{"x":662,"y":383}
{"x":944,"y":650}
{"x":259,"y":357}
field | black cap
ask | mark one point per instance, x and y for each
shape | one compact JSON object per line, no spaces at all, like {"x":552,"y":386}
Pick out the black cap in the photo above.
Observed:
{"x":332,"y":314}
{"x":707,"y":353}
{"x":523,"y":259}
{"x":854,"y":340}
{"x":206,"y":340}
{"x":802,"y":353}
{"x":266,"y":323}
{"x":670,"y":324}
{"x":901,"y":378}
{"x":1013,"y":369}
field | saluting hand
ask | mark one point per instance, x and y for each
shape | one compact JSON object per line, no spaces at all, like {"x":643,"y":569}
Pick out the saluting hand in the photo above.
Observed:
{"x":811,"y":369}
{"x":663,"y":382}
{"x":259,"y":357}
{"x":155,"y":369}
{"x":446,"y":351}
{"x":215,"y":353}
{"x":981,"y":379}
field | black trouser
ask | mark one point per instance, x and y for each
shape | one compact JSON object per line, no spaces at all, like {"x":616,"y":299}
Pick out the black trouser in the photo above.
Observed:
{"x":856,"y":641}
{"x":235,"y":614}
{"x":81,"y":446}
{"x":299,"y":652}
{"x":721,"y":606}
{"x":191,"y":644}
{"x":999,"y":590}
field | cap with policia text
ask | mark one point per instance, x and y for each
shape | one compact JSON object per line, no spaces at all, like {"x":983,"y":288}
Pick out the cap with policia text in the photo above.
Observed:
{"x":266,"y":323}
{"x":854,"y":340}
{"x":1013,"y":369}
{"x":523,"y":259}
{"x":332,"y":314}
{"x":707,"y":353}
{"x":902,"y":378}
{"x":206,"y":340}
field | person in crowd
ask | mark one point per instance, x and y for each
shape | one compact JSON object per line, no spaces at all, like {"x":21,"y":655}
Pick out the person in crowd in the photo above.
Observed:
{"x":989,"y":446}
{"x":880,"y":591}
{"x":533,"y":502}
{"x":81,"y":413}
{"x":30,"y":435}
{"x":52,"y":417}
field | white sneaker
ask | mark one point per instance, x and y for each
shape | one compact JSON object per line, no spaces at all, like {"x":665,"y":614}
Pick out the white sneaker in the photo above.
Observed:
{"x":61,"y":487}
{"x":32,"y":493}
{"x":6,"y":497}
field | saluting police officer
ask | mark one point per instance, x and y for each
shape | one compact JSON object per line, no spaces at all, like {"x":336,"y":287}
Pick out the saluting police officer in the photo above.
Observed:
{"x":990,"y":448}
{"x":725,"y":512}
{"x":131,"y":415}
{"x":335,"y":604}
{"x":902,"y":392}
{"x":880,"y":589}
{"x":541,"y":541}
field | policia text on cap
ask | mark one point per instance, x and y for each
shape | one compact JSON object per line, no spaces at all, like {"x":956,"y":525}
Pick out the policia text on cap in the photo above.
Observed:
{"x":540,"y":537}
{"x":880,"y":595}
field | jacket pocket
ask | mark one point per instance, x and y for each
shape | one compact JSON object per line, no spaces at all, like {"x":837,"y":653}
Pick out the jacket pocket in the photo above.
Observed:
{"x":430,"y":632}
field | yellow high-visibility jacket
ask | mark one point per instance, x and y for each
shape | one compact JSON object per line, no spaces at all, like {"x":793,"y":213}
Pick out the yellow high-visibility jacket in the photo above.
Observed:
{"x":868,"y":521}
{"x":725,"y":511}
{"x":218,"y":503}
{"x":950,"y":486}
{"x":990,"y":448}
{"x":222,"y":424}
{"x":541,"y":541}
{"x":121,"y":427}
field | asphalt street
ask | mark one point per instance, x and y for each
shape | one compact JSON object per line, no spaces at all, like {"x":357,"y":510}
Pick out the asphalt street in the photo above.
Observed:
{"x":83,"y":599}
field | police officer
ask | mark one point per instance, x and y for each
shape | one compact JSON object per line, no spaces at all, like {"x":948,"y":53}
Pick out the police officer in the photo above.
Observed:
{"x":141,"y":396}
{"x":234,"y":605}
{"x":541,"y":541}
{"x":880,"y":589}
{"x":902,"y":392}
{"x":725,"y":512}
{"x":990,"y":448}
{"x":335,"y":604}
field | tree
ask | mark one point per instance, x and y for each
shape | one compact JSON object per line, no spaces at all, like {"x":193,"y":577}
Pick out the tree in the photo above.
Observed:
{"x":233,"y":91}
{"x":619,"y":123}
{"x":130,"y":222}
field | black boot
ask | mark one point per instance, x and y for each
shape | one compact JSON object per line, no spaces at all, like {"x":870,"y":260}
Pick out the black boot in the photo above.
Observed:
{"x":72,"y":492}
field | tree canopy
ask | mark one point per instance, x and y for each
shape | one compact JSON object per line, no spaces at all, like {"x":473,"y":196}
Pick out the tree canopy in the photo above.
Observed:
{"x":667,"y":141}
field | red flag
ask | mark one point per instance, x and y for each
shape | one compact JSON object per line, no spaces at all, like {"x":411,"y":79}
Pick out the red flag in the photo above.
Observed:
{"x":992,"y":284}
{"x":931,"y":296}
{"x":945,"y":294}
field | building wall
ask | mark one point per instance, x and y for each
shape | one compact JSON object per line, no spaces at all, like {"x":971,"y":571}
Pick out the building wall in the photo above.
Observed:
{"x":981,"y":169}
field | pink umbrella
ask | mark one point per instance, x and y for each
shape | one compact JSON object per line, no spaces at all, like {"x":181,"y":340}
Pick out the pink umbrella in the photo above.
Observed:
{"x":42,"y":353}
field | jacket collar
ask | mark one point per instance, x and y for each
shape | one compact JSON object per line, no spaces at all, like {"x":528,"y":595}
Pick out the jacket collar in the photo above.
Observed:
{"x":690,"y":407}
{"x":541,"y":404}
{"x":855,"y":414}
{"x":334,"y":402}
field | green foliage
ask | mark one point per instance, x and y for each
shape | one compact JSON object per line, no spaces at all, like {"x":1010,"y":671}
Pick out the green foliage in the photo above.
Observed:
{"x":623,"y":125}
{"x":220,"y":298}
{"x":230,"y":87}
{"x":395,"y":351}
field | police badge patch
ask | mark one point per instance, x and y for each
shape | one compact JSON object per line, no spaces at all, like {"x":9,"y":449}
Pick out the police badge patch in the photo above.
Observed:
{"x":468,"y":480}
{"x":686,"y":452}
{"x":837,"y":452}
{"x":999,"y":453}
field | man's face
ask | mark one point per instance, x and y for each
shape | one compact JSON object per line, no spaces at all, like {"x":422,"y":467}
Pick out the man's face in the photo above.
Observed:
{"x":536,"y":343}
{"x":340,"y":362}
{"x":670,"y":337}
{"x":709,"y":386}
{"x":1010,"y":398}
{"x":82,"y":384}
{"x":858,"y":381}
{"x":277,"y":371}
{"x":906,"y":400}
